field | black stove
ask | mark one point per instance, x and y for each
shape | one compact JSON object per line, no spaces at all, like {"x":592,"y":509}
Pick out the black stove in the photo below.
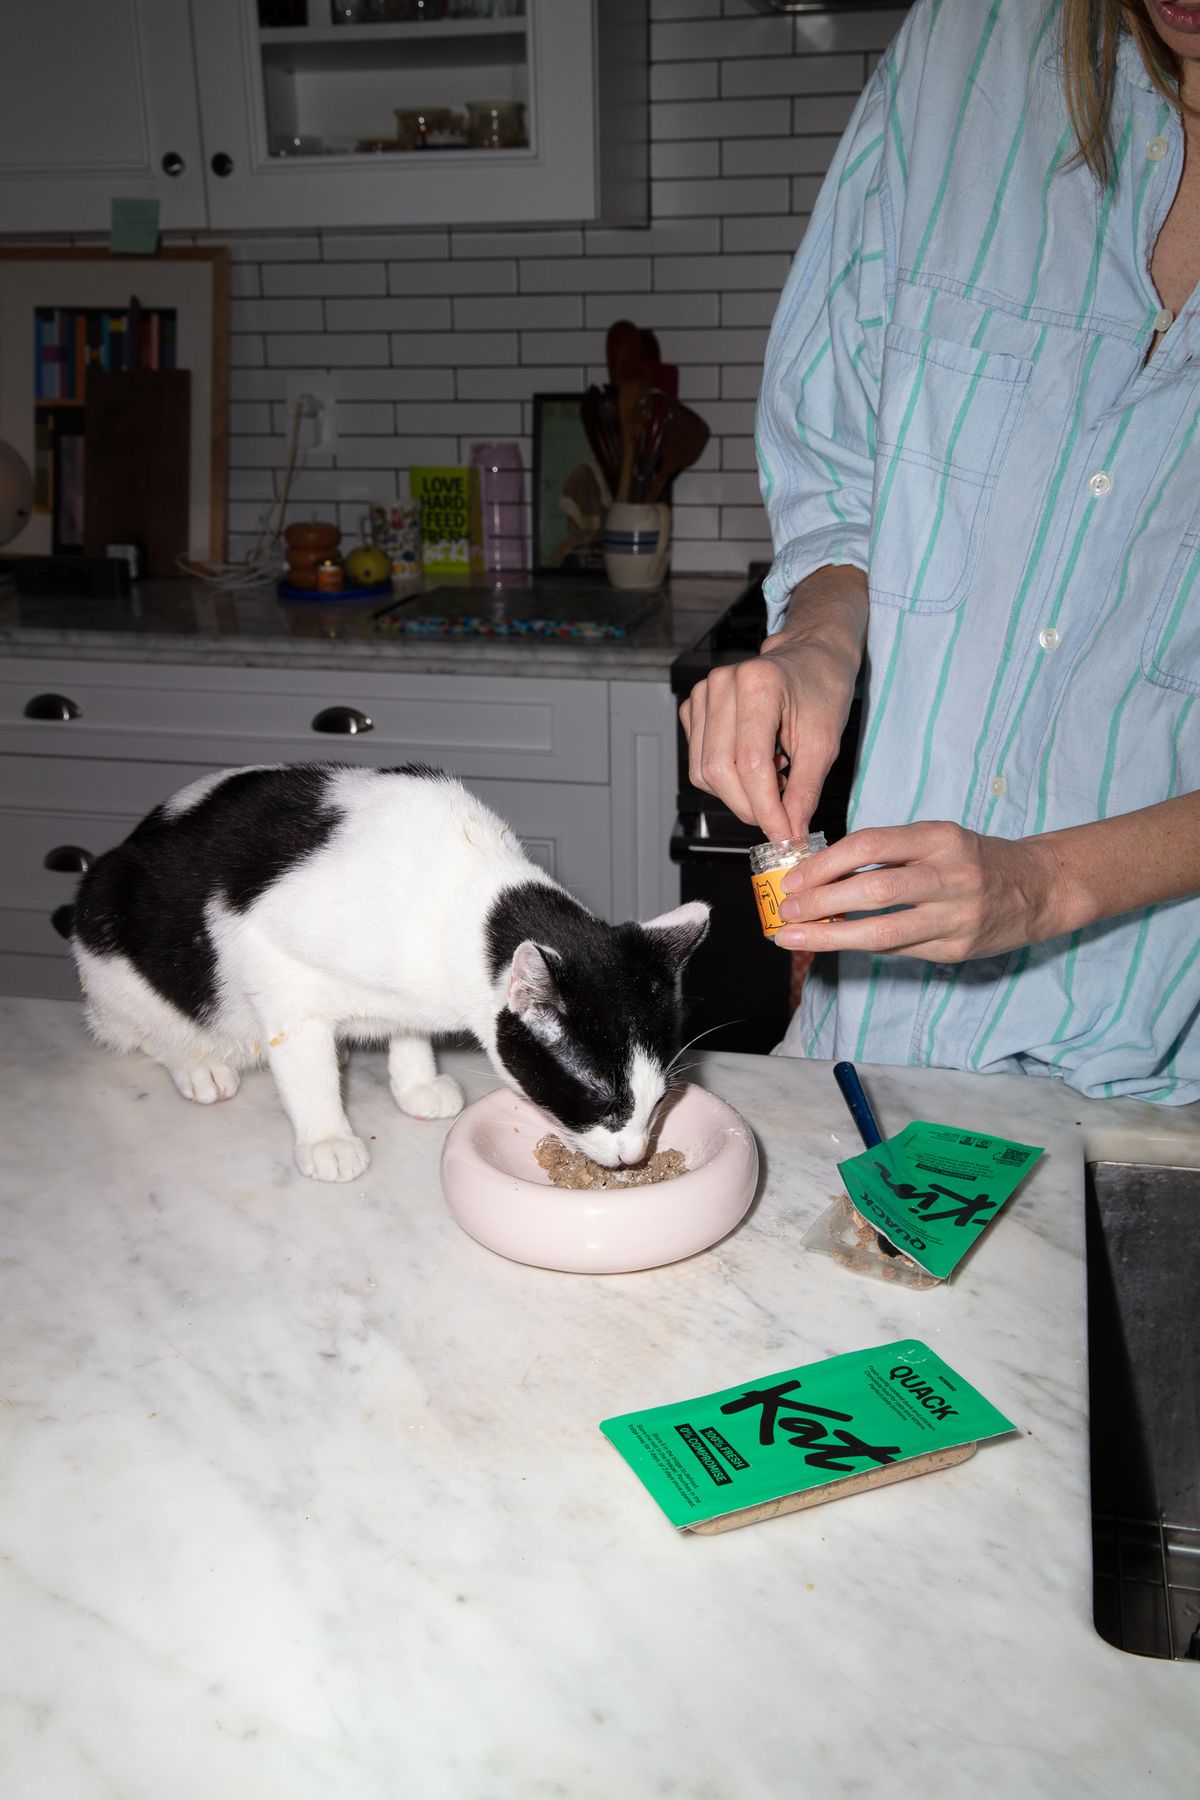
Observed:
{"x":737,"y":987}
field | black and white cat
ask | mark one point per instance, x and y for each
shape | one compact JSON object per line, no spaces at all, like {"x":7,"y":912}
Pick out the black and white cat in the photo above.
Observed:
{"x":266,"y":914}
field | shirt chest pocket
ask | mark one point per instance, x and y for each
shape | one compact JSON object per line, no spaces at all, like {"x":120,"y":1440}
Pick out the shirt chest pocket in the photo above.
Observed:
{"x":1171,"y":646}
{"x":947,"y":414}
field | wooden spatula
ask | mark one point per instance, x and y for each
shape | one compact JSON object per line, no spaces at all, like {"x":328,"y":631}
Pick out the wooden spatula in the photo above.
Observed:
{"x":683,"y":443}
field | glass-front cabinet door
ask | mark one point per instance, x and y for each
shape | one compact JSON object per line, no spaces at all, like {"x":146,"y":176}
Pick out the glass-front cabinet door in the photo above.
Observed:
{"x":418,"y":112}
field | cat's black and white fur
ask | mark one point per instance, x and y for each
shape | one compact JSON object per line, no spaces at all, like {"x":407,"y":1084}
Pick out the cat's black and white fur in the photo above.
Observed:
{"x":268,"y":914}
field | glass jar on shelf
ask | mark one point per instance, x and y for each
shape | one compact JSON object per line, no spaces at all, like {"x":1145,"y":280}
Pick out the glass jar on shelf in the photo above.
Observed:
{"x":496,"y":124}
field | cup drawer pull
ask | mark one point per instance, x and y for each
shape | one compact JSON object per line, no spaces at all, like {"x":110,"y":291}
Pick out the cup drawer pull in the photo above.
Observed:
{"x":68,"y":859}
{"x":52,"y":706}
{"x":346,"y":720}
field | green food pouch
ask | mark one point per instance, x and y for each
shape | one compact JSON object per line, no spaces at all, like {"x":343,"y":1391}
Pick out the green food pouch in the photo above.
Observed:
{"x":932,"y":1190}
{"x":806,"y":1435}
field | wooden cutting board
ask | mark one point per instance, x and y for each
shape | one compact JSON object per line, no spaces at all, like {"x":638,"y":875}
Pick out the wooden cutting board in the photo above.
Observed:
{"x":137,"y":468}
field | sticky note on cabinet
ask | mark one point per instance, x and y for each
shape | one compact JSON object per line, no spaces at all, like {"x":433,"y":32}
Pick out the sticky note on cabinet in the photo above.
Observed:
{"x":133,"y":230}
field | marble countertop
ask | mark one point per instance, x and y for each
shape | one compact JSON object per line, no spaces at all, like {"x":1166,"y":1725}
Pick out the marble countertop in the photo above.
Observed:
{"x":302,"y":1493}
{"x":184,"y":622}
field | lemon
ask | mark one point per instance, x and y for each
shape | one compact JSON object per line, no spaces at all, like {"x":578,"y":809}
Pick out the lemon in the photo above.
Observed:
{"x":368,"y":565}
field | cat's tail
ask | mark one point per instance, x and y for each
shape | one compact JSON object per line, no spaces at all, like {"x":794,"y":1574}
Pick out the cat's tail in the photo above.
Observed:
{"x":63,"y":920}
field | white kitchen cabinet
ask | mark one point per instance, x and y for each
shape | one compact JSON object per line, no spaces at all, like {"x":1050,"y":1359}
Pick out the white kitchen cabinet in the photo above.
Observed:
{"x":235,"y":125}
{"x":118,"y":738}
{"x":575,"y":68}
{"x":99,"y":102}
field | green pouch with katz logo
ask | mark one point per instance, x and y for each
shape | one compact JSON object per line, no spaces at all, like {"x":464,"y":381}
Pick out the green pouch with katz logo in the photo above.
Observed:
{"x":815,"y":1426}
{"x":932,"y":1190}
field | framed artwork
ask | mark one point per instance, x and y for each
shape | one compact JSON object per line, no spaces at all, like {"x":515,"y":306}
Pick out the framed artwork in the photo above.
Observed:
{"x":65,"y":312}
{"x":570,"y":494}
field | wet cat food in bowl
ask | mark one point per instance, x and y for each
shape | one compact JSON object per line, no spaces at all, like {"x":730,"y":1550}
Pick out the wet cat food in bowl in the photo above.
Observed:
{"x":499,"y":1193}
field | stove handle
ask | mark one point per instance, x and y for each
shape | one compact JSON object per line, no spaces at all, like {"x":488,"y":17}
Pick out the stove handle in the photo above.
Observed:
{"x":698,"y":847}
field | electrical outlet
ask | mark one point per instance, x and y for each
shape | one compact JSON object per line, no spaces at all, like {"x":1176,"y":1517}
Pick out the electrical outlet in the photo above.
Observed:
{"x":313,"y":394}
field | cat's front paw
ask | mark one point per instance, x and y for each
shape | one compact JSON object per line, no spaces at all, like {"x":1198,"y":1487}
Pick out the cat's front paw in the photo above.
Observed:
{"x":206,"y":1082}
{"x":440,"y":1098}
{"x":333,"y":1159}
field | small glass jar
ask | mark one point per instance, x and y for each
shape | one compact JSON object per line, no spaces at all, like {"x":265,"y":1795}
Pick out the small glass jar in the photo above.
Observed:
{"x":331,"y":577}
{"x":769,"y":863}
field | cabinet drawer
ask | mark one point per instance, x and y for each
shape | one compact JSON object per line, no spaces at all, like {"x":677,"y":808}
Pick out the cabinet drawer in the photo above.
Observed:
{"x":58,"y":802}
{"x":26,"y":839}
{"x":554,"y":730}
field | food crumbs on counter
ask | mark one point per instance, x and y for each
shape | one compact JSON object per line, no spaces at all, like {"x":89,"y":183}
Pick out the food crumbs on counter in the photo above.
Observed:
{"x":572,"y":1169}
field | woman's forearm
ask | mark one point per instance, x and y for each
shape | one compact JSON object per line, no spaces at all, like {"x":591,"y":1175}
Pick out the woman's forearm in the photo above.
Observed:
{"x":1117,"y":865}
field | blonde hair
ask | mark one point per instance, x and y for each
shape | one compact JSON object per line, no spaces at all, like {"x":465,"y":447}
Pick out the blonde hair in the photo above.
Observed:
{"x":1091,"y":32}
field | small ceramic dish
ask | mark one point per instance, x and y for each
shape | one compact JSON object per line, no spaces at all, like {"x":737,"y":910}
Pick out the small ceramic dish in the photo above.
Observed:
{"x":500,"y":1195}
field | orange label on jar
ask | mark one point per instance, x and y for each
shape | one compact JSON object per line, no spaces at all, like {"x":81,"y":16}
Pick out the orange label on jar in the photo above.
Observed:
{"x":768,"y":892}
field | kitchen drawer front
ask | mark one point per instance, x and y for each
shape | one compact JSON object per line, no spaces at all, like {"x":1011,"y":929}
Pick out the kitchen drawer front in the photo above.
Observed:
{"x":77,"y":788}
{"x":553,"y":730}
{"x":37,"y":977}
{"x":26,"y":839}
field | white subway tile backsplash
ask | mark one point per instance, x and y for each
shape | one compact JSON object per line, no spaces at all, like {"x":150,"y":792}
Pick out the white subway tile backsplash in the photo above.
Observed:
{"x":481,"y":418}
{"x":445,"y":277}
{"x":742,"y":236}
{"x":749,"y":309}
{"x":687,"y":160}
{"x":404,"y":245}
{"x":777,"y":156}
{"x":453,"y":350}
{"x":741,"y":381}
{"x":708,"y":119}
{"x":662,"y":237}
{"x":286,"y":350}
{"x":685,"y":81}
{"x":791,"y":75}
{"x":560,"y":312}
{"x":731,"y":37}
{"x":519,"y":243}
{"x":392,"y":384}
{"x":519,"y":383}
{"x":276,"y":315}
{"x":700,"y":272}
{"x":365,"y":418}
{"x":585,"y":275}
{"x":325,"y":278}
{"x":393,"y":314}
{"x":659,"y":312}
{"x":435,"y":339}
{"x":848,"y":30}
{"x":683,"y":197}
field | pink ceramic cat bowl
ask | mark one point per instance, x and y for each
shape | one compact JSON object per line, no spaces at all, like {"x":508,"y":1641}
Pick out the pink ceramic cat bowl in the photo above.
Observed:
{"x":498,"y":1193}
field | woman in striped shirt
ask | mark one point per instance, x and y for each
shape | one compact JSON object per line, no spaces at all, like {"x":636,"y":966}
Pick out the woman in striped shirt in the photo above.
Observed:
{"x":979,"y":450}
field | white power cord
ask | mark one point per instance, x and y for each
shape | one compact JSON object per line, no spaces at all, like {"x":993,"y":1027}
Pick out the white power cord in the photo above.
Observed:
{"x":260,"y":565}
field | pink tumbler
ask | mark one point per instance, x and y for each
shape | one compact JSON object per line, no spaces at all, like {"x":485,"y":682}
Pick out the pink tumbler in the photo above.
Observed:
{"x":500,"y":490}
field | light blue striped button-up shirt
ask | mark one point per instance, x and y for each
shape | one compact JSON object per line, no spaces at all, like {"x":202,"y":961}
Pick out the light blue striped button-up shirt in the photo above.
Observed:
{"x":957,"y":398}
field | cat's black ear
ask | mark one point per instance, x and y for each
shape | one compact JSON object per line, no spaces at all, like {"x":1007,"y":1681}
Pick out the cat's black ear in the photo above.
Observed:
{"x":533,"y":992}
{"x":680,"y":931}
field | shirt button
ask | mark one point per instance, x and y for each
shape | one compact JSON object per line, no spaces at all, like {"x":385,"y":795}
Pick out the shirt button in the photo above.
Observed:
{"x":1049,"y":638}
{"x":1100,"y":482}
{"x":999,"y":787}
{"x":1156,"y":149}
{"x":1164,"y":319}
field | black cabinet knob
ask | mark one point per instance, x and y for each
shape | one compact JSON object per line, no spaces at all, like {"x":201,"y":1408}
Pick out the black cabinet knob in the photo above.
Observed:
{"x":68,"y":859}
{"x":221,"y":164}
{"x":172,"y":163}
{"x":346,"y":720}
{"x":52,"y":706}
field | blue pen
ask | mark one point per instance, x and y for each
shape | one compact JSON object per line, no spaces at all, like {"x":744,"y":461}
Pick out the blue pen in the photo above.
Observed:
{"x":853,"y":1093}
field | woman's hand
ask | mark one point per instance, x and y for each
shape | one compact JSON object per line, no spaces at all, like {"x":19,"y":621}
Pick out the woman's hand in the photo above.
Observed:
{"x":795,"y":694}
{"x":963,"y":895}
